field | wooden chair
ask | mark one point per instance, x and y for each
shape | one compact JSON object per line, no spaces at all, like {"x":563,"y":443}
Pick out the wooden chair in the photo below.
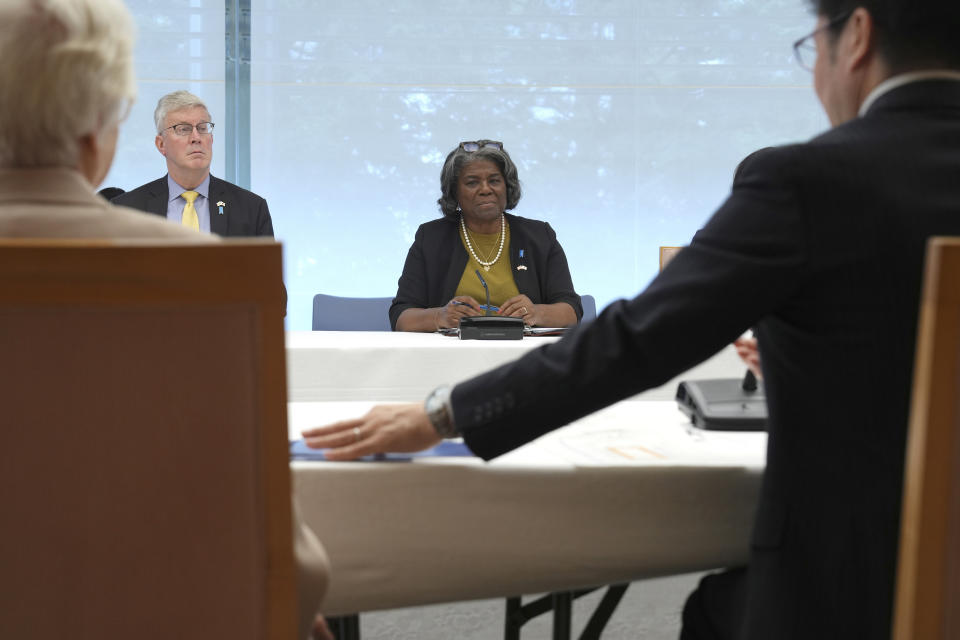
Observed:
{"x":144,"y":469}
{"x":667,"y":254}
{"x":928,"y":579}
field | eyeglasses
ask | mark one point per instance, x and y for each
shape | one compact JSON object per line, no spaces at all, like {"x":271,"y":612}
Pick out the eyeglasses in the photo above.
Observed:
{"x":805,"y":49}
{"x":476,"y":145}
{"x":183,"y":129}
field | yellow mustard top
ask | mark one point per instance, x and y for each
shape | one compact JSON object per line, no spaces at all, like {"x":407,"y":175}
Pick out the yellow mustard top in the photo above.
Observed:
{"x":499,"y":278}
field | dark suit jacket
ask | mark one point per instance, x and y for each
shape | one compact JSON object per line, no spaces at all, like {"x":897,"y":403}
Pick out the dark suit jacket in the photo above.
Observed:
{"x":820,"y":245}
{"x":244,"y":212}
{"x":436,"y":261}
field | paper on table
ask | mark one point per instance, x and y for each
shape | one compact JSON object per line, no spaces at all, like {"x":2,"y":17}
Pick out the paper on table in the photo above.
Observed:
{"x":544,"y":331}
{"x":598,"y":444}
{"x":527,"y":331}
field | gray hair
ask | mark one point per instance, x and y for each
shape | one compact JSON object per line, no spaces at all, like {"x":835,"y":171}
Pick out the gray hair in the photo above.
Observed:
{"x":458,"y":159}
{"x":175,"y":102}
{"x":67,"y":72}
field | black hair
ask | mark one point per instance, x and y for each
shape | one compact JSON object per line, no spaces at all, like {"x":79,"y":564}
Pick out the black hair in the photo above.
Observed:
{"x":911,"y":34}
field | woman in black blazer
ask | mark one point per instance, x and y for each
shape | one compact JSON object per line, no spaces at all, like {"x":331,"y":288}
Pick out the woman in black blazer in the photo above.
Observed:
{"x":476,"y":244}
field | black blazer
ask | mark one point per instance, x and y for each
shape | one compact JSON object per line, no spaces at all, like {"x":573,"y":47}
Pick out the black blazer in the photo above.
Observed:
{"x":244,"y":212}
{"x":436,"y":260}
{"x":820,"y":245}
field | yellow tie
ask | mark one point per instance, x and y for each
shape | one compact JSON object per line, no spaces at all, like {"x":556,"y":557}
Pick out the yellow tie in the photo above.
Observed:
{"x":189,"y":217}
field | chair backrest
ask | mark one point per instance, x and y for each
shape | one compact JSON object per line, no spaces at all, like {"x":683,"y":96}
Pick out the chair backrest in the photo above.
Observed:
{"x":339,"y":313}
{"x":667,"y":254}
{"x":144,"y":475}
{"x":589,"y":305}
{"x":928,"y":577}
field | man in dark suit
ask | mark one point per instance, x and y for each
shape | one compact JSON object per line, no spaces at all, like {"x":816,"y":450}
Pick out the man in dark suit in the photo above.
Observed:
{"x":820,"y":246}
{"x":188,"y":194}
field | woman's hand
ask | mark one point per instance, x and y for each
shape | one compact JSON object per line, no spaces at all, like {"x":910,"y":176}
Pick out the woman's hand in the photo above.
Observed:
{"x":461,"y":306}
{"x":522,"y":307}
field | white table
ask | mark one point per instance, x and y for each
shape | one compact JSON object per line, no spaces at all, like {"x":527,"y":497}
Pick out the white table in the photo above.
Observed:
{"x":405,"y":367}
{"x":627,"y":493}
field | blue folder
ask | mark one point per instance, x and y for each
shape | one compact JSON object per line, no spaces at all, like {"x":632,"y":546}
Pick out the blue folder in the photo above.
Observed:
{"x":448,"y":448}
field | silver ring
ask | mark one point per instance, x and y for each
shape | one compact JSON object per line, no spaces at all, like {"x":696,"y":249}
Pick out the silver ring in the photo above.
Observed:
{"x":356,"y":434}
{"x":523,"y":310}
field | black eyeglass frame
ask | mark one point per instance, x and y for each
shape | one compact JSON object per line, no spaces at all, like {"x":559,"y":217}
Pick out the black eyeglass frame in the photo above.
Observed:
{"x":471,"y":146}
{"x":802,"y":44}
{"x":207,"y":125}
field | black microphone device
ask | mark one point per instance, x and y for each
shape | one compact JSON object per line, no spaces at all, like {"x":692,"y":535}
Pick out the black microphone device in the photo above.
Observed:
{"x":486,"y":290}
{"x":726,"y":404}
{"x":489,"y":326}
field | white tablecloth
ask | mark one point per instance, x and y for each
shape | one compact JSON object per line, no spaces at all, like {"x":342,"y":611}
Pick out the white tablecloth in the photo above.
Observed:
{"x":627,"y":493}
{"x":405,"y":367}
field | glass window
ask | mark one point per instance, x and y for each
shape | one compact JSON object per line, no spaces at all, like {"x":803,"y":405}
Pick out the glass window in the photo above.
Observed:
{"x":180,"y":45}
{"x":626,"y":119}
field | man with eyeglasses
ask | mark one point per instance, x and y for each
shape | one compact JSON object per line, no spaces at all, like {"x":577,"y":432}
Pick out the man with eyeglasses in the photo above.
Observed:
{"x":188,"y":194}
{"x":820,"y":246}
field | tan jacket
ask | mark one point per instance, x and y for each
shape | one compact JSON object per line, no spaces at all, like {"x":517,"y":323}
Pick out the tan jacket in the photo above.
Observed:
{"x":58,"y":202}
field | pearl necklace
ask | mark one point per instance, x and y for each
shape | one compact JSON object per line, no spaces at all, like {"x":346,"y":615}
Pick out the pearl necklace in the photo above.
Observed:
{"x":466,"y":236}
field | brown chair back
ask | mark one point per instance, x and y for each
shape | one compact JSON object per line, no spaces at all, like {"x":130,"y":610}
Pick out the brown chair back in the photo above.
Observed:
{"x":928,"y":578}
{"x":144,"y":476}
{"x":667,"y":254}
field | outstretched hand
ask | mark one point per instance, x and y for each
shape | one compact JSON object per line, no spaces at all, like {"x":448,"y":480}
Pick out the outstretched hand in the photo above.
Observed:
{"x":389,"y":428}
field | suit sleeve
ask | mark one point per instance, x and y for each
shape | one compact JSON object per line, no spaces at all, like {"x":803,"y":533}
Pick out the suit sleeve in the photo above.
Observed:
{"x":745,"y":262}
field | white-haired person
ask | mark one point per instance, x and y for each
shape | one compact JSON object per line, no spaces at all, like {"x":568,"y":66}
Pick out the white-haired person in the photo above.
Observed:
{"x":67,"y":78}
{"x":67,"y":82}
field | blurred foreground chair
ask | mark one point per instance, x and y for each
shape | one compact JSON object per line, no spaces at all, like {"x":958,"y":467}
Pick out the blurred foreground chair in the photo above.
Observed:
{"x":144,"y":471}
{"x":928,"y":577}
{"x":339,"y":313}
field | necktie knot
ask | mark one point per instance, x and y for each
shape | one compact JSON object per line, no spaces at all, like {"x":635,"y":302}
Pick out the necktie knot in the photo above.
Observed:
{"x":189,"y":217}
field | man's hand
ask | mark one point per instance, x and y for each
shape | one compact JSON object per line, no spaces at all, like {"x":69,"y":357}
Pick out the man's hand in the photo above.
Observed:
{"x":399,"y":428}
